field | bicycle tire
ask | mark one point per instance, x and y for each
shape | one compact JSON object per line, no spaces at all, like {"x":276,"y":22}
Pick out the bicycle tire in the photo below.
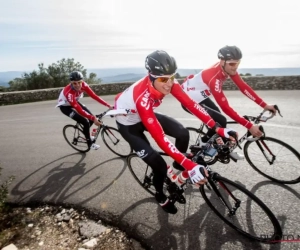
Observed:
{"x":279,"y":173}
{"x":212,"y":199}
{"x":195,"y":133}
{"x":143,"y":173}
{"x":115,"y":141}
{"x":75,"y":138}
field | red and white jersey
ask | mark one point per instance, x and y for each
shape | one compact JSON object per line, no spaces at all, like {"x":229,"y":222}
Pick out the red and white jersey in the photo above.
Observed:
{"x":69,"y":97}
{"x":196,"y":88}
{"x":143,"y":98}
{"x":210,"y":81}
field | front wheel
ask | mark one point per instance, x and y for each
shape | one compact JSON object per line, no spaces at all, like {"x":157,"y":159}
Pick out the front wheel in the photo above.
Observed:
{"x":274,"y":159}
{"x":241,"y":210}
{"x":75,"y":138}
{"x":115,"y":141}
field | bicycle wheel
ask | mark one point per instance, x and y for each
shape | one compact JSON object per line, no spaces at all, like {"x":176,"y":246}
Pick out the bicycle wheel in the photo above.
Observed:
{"x":274,"y":159}
{"x":75,"y":138}
{"x":195,"y":137}
{"x":142,"y":172}
{"x":115,"y":141}
{"x":244,"y":212}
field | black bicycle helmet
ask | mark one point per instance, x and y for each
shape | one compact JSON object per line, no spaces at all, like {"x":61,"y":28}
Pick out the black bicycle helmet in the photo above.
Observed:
{"x":230,"y":53}
{"x":76,"y":76}
{"x":160,"y":63}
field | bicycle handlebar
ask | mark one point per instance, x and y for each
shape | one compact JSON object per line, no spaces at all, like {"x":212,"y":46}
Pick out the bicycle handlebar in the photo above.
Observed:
{"x":100,"y":116}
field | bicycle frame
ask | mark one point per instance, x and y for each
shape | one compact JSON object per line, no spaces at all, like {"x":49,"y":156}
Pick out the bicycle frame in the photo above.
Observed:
{"x":258,"y":119}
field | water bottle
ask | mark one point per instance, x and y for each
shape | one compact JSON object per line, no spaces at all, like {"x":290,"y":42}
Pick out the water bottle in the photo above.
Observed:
{"x":94,"y":132}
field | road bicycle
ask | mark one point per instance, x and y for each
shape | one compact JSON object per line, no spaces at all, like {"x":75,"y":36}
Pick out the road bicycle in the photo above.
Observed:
{"x":231,"y":202}
{"x":272,"y":158}
{"x":111,"y":137}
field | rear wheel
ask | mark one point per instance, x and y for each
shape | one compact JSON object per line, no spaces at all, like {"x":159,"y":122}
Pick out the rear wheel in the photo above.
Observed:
{"x":75,"y":138}
{"x":274,"y":159}
{"x":143,"y":173}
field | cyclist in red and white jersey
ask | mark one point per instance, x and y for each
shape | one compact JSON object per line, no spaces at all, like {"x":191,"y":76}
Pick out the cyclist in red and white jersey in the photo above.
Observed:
{"x":69,"y":104}
{"x":210,"y":81}
{"x":142,"y":97}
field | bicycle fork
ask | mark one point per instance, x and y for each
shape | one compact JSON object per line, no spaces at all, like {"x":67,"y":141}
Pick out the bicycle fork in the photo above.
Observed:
{"x":271,"y":161}
{"x":232,"y":210}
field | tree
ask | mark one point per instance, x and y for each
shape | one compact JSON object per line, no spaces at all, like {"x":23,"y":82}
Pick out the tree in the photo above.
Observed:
{"x":56,"y":75}
{"x":93,"y":79}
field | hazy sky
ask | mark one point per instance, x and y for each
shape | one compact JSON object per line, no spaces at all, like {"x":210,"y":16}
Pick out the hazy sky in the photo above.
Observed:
{"x":120,"y":33}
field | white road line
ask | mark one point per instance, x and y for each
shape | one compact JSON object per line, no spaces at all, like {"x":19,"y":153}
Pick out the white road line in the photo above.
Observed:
{"x":264,"y":124}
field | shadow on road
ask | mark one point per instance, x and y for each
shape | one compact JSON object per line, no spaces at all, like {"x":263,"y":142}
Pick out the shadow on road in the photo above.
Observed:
{"x":59,"y":180}
{"x":195,"y":226}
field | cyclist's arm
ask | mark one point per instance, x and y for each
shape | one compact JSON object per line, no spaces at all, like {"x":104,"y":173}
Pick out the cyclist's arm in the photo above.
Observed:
{"x":92,"y":94}
{"x":221,"y":99}
{"x":247,"y":90}
{"x":191,"y":105}
{"x":151,"y":123}
{"x":72,"y":100}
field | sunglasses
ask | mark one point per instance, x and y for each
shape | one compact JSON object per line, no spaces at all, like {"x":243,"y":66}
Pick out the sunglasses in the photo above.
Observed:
{"x":233,"y":63}
{"x":164,"y":79}
{"x":75,"y":83}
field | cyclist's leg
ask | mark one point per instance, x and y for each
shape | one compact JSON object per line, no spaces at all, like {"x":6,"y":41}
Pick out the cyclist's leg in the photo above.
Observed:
{"x":212,"y":109}
{"x":70,"y":112}
{"x":175,"y":129}
{"x":134,"y":135}
{"x":88,"y":111}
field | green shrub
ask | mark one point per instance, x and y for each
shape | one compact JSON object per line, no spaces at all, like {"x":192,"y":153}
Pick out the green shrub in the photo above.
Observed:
{"x":4,"y":190}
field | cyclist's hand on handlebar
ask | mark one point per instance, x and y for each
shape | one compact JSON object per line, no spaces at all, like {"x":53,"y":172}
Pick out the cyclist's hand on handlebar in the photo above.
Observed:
{"x":97,"y":122}
{"x":255,"y":131}
{"x":196,"y":176}
{"x":271,"y":108}
{"x":225,"y":132}
{"x":111,"y":107}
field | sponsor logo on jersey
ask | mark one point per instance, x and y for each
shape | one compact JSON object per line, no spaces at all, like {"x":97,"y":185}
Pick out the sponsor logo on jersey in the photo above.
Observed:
{"x":217,"y":86}
{"x":249,"y":95}
{"x":145,"y":100}
{"x":171,"y":145}
{"x":192,"y":88}
{"x":150,"y":120}
{"x":70,"y":97}
{"x":200,"y":108}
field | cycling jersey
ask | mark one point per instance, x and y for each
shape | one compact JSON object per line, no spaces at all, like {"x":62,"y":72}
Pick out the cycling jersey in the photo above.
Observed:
{"x":210,"y":81}
{"x":143,"y":98}
{"x":69,"y":97}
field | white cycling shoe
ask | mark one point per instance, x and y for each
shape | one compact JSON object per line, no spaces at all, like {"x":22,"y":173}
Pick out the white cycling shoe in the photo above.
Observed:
{"x":237,"y":156}
{"x":94,"y":146}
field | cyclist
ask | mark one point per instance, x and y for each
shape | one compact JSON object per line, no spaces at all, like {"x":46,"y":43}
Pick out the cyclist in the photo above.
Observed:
{"x":70,"y":106}
{"x":210,"y":81}
{"x":142,"y":97}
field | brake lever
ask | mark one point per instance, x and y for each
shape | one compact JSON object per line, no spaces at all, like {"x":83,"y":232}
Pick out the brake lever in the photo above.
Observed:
{"x":234,"y":135}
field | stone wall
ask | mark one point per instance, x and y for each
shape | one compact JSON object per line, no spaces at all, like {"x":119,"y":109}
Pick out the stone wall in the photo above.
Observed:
{"x":256,"y":82}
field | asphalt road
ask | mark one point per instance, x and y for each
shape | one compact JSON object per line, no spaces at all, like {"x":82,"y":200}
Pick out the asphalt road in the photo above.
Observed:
{"x":48,"y":170}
